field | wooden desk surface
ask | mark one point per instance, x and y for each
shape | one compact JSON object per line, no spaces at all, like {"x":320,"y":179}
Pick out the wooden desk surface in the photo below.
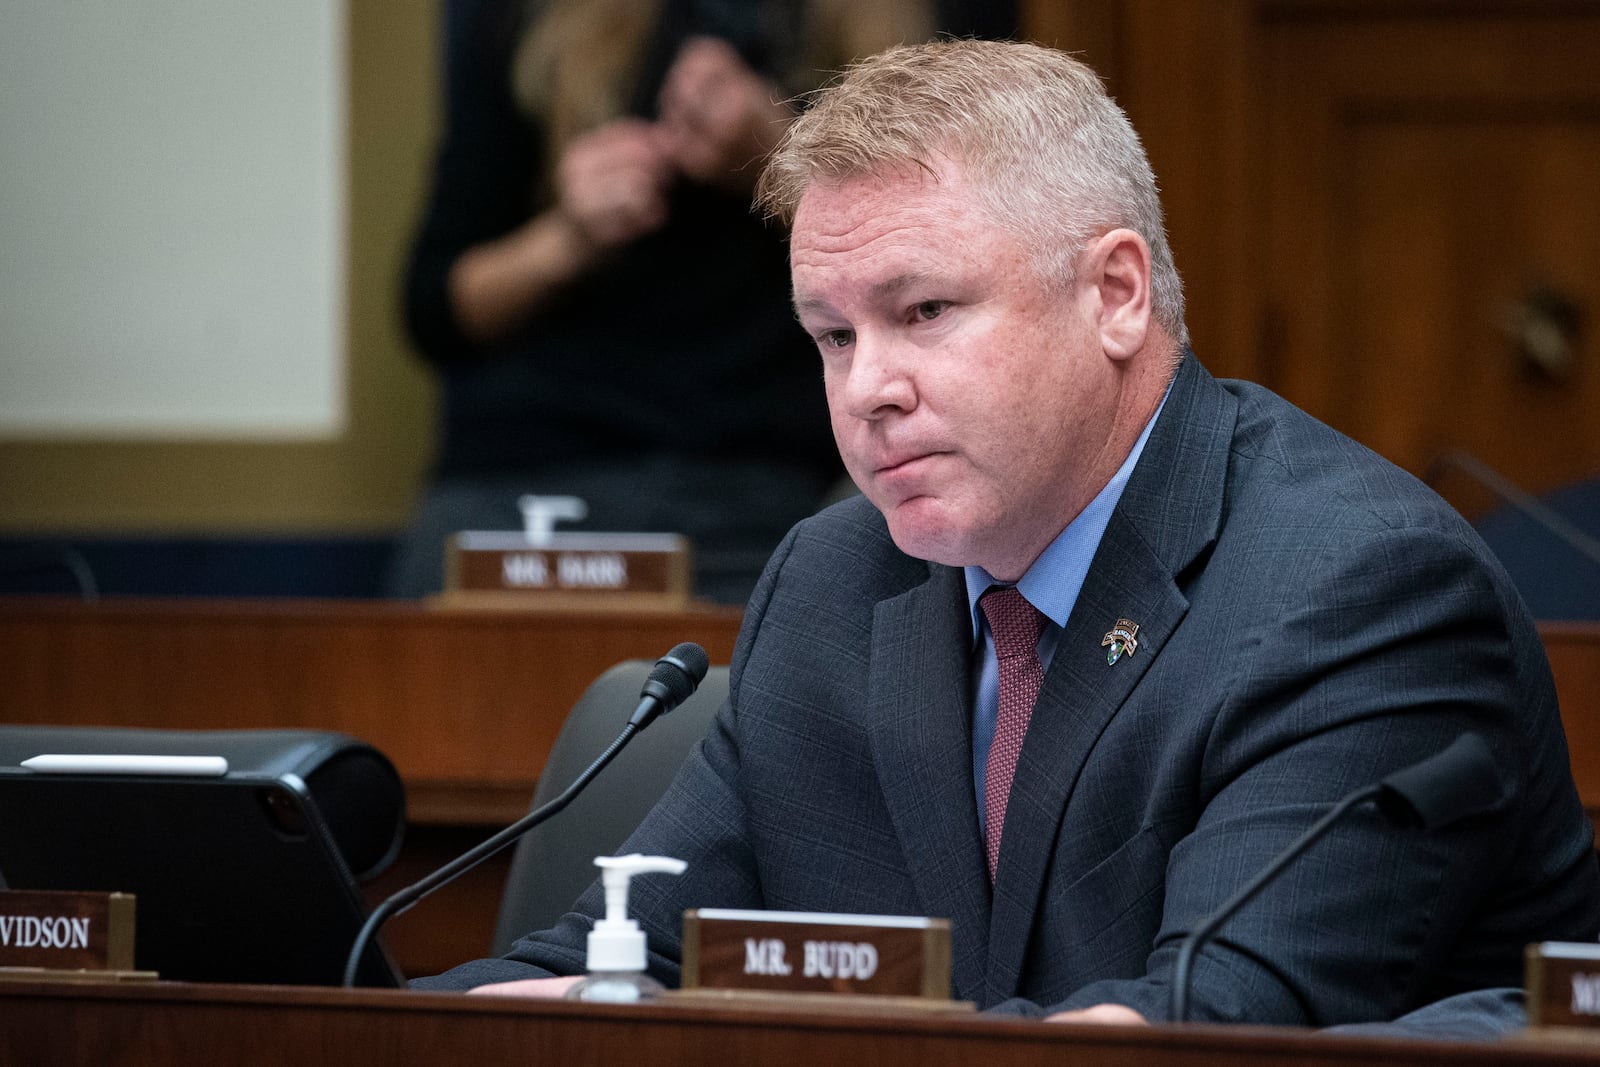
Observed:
{"x":174,"y":1023}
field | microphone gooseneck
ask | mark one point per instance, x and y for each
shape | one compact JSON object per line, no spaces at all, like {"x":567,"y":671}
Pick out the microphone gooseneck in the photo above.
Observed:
{"x":1459,"y":781}
{"x":672,"y":680}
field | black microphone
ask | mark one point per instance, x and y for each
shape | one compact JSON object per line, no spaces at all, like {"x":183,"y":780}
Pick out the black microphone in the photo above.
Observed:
{"x":1457,"y":782}
{"x":672,"y":680}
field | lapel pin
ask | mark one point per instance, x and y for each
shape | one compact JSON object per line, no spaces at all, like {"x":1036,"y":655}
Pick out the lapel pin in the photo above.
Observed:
{"x":1122,"y":638}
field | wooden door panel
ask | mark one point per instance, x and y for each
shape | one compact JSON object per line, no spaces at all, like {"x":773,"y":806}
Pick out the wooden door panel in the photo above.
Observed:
{"x":1425,"y":173}
{"x":1432,"y":286}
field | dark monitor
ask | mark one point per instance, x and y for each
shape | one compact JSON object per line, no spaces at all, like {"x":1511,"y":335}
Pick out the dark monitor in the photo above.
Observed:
{"x":243,"y":876}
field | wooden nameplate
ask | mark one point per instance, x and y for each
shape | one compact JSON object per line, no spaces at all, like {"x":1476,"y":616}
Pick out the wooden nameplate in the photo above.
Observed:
{"x":77,"y":936}
{"x":567,"y":570}
{"x":1563,"y":985}
{"x":816,"y":953}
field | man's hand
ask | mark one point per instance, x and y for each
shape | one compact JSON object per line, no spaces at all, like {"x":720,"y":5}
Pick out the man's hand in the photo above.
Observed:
{"x":536,"y":988}
{"x":612,"y":182}
{"x":1101,"y":1014}
{"x":719,"y":118}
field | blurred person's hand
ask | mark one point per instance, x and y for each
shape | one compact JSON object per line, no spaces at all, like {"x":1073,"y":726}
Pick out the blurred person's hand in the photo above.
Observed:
{"x":611,"y":188}
{"x":612,"y":182}
{"x":719,"y":118}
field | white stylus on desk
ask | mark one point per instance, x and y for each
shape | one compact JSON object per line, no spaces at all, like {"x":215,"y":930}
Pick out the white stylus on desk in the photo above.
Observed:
{"x":191,"y":766}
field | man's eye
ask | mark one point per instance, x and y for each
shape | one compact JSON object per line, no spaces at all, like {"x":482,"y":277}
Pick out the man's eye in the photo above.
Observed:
{"x":929,"y":309}
{"x":835,"y":338}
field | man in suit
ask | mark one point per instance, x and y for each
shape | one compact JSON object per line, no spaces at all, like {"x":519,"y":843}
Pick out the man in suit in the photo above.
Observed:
{"x":1104,"y":634}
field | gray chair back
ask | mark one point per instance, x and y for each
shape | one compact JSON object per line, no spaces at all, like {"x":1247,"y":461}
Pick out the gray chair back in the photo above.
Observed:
{"x":554,"y":863}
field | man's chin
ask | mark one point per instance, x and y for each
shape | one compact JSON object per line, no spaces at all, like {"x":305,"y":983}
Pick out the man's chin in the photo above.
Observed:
{"x":923,"y":530}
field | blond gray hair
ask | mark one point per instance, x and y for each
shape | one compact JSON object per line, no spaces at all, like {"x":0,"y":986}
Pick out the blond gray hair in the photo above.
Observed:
{"x":1054,"y":159}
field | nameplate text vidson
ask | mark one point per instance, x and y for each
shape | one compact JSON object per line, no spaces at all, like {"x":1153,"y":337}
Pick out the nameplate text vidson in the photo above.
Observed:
{"x":585,"y":570}
{"x":66,"y":931}
{"x":776,"y":951}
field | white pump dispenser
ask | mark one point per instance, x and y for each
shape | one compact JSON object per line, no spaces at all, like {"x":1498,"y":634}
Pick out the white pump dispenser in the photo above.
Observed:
{"x":616,"y":944}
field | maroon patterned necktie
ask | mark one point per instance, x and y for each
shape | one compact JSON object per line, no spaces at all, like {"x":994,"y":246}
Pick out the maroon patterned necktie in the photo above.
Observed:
{"x":1016,"y":626}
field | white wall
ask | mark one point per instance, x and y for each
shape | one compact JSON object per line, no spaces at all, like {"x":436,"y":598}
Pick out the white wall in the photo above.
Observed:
{"x":171,"y":218}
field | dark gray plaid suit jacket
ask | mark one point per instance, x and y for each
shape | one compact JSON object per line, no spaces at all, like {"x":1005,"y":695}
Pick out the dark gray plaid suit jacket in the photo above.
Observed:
{"x":1310,"y":619}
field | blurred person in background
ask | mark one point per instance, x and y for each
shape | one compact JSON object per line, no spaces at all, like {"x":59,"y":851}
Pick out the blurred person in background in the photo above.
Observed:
{"x":607,"y":317}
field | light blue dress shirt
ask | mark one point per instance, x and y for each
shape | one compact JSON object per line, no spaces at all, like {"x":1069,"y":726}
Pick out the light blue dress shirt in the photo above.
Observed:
{"x":1051,"y":584}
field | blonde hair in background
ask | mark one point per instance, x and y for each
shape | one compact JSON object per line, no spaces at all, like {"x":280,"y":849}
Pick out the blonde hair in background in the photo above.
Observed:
{"x":1055,"y":160}
{"x":577,"y":61}
{"x":576,"y":66}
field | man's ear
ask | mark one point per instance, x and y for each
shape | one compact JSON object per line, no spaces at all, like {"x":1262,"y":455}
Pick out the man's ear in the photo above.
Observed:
{"x":1115,"y":277}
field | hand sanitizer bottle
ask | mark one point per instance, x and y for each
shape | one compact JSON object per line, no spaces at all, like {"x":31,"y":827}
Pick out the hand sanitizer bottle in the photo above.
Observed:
{"x":616,"y":944}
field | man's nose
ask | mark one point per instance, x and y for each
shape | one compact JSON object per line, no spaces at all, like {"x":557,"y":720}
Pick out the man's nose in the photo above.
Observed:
{"x":878,"y":381}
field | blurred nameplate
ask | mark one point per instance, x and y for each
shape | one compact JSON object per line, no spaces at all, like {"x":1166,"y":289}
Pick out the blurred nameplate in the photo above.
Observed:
{"x":60,"y":931}
{"x":805,"y":952}
{"x":1562,"y":979}
{"x":584,"y":570}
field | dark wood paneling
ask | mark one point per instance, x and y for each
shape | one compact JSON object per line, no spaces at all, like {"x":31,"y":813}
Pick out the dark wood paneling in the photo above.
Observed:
{"x":1424,"y":174}
{"x":1190,"y":86}
{"x":466,"y":703}
{"x":1574,"y":651}
{"x":1362,"y":194}
{"x":1090,"y":29}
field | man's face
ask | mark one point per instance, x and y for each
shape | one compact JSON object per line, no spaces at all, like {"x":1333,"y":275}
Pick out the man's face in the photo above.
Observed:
{"x":970,"y":399}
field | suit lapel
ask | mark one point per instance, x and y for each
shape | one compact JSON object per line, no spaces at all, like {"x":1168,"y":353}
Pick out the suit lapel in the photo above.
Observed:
{"x":919,"y":721}
{"x":1167,"y":517}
